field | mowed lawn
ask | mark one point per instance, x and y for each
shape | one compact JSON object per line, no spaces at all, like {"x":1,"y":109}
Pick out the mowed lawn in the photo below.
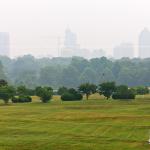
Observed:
{"x":95,"y":124}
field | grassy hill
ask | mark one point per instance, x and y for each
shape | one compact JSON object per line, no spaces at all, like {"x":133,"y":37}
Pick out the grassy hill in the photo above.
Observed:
{"x":96,"y":124}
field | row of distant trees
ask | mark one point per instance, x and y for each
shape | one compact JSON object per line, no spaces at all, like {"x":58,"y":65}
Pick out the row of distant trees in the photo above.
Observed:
{"x":71,"y":72}
{"x":22,"y":94}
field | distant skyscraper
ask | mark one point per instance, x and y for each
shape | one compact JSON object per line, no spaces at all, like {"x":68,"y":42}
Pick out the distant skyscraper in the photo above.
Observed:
{"x":72,"y":48}
{"x":70,"y":44}
{"x":70,"y":39}
{"x":144,"y":43}
{"x":4,"y":43}
{"x":124,"y":50}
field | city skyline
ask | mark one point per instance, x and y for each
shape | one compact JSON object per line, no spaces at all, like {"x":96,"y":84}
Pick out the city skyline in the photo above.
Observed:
{"x":71,"y":47}
{"x":36,"y":24}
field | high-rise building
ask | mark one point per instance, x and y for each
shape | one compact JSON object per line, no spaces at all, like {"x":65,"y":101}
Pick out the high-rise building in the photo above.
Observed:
{"x":124,"y":50}
{"x":70,"y":39}
{"x":144,"y":44}
{"x":70,"y":44}
{"x":72,"y":48}
{"x":4,"y":43}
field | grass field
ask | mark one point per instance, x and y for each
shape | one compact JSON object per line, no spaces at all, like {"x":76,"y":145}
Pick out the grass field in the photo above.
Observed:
{"x":96,"y":124}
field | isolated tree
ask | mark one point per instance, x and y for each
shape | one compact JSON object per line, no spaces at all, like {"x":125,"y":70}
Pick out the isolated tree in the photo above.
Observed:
{"x":45,"y":93}
{"x":87,"y":89}
{"x":107,"y":89}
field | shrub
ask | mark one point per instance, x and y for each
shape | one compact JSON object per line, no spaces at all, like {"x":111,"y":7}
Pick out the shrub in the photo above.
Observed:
{"x":14,"y":100}
{"x":21,"y":99}
{"x":25,"y":99}
{"x":79,"y":96}
{"x":122,"y":92}
{"x":128,"y":95}
{"x":67,"y":97}
{"x":71,"y":95}
{"x":141,"y":90}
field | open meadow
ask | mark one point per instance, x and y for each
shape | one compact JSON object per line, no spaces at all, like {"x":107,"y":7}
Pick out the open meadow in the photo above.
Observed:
{"x":94,"y":124}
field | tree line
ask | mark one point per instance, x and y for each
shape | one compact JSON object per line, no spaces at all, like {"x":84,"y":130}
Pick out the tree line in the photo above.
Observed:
{"x":22,"y":94}
{"x":71,"y":72}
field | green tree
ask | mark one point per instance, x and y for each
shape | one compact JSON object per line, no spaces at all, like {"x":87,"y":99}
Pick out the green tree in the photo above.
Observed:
{"x":45,"y":93}
{"x":50,"y":75}
{"x":24,"y":91}
{"x":123,"y":92}
{"x":23,"y":71}
{"x":62,"y":90}
{"x":88,"y":75}
{"x":127,"y":76}
{"x":116,"y":68}
{"x":21,"y":90}
{"x":106,"y":76}
{"x":107,"y":89}
{"x":79,"y":63}
{"x":87,"y":89}
{"x":142,"y":90}
{"x":6,"y":92}
{"x":70,"y":77}
{"x":2,"y":72}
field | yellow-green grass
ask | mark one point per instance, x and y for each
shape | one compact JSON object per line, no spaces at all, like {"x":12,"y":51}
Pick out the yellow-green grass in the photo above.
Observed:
{"x":94,"y":124}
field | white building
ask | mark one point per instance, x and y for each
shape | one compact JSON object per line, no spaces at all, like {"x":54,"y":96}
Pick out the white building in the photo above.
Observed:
{"x":70,"y":44}
{"x":4,"y":43}
{"x":144,"y":44}
{"x":72,"y":48}
{"x":123,"y":50}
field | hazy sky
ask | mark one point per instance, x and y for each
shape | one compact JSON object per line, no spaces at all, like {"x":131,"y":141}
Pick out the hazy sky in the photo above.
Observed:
{"x":34,"y":25}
